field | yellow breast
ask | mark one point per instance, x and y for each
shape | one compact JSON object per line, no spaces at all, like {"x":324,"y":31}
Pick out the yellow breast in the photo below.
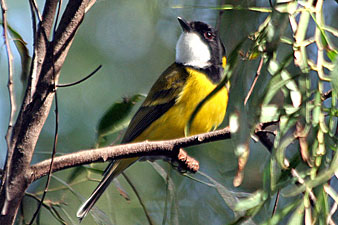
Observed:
{"x":172,"y":123}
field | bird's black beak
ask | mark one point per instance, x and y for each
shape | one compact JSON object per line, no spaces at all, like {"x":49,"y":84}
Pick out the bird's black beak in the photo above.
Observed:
{"x":184,"y":24}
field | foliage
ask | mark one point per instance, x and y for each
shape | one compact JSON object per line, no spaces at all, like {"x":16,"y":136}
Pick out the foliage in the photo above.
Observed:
{"x":115,"y":119}
{"x":296,"y":91}
{"x":303,"y":156}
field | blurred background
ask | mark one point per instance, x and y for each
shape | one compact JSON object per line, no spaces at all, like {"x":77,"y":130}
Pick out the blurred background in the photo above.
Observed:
{"x":134,"y":41}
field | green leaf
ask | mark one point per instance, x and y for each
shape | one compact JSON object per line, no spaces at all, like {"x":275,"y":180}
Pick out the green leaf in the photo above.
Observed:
{"x":297,"y":216}
{"x":323,"y":37}
{"x":115,"y":118}
{"x":228,"y":196}
{"x":277,"y":82}
{"x":75,"y":173}
{"x":271,"y":174}
{"x":80,"y":197}
{"x":287,"y":123}
{"x":20,"y":45}
{"x":316,"y":110}
{"x":334,"y":77}
{"x":68,"y":216}
{"x":295,"y":94}
{"x":280,"y":215}
{"x":286,"y":7}
{"x":290,"y":109}
{"x":332,"y":54}
{"x":280,"y":152}
{"x":322,"y":207}
{"x":98,"y":215}
{"x":255,"y":200}
{"x":333,"y":114}
{"x":267,"y":175}
{"x":275,"y":30}
{"x":284,"y":177}
{"x":171,"y":193}
{"x":321,"y":178}
{"x":269,"y":113}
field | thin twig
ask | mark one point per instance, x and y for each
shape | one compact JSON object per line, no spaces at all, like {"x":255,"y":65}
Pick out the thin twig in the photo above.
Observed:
{"x":332,"y":212}
{"x":164,"y":220}
{"x":139,"y":198}
{"x":12,"y":104}
{"x":258,"y":72}
{"x":327,"y":95}
{"x":49,"y":206}
{"x":80,"y":81}
{"x":89,"y":6}
{"x":276,"y":203}
{"x":302,"y":181}
{"x":34,"y":24}
{"x":10,"y":71}
{"x":36,"y":9}
{"x":60,"y":188}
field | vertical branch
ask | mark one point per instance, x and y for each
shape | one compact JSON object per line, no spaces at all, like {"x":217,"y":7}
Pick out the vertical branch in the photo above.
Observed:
{"x":10,"y":71}
{"x":12,"y":105}
{"x":32,"y":76}
{"x":48,"y":59}
{"x":21,"y":146}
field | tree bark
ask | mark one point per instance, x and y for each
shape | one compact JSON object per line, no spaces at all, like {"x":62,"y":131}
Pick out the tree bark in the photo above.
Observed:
{"x":48,"y":59}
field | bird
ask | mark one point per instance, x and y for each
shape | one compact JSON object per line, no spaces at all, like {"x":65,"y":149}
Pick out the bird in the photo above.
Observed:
{"x":198,"y":68}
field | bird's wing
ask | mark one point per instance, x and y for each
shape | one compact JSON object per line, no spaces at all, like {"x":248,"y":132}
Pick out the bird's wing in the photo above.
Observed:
{"x":161,"y":98}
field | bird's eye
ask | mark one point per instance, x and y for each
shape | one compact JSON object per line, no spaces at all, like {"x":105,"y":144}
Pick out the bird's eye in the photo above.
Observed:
{"x":208,"y":35}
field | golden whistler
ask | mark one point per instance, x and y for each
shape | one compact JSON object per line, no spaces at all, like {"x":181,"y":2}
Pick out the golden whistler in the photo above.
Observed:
{"x":198,"y":68}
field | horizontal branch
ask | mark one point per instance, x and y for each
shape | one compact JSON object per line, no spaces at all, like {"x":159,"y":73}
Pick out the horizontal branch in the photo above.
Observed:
{"x":168,"y":148}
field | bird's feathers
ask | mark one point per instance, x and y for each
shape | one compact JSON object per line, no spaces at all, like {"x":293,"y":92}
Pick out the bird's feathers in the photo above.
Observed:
{"x":191,"y":50}
{"x":160,"y":99}
{"x":113,"y":170}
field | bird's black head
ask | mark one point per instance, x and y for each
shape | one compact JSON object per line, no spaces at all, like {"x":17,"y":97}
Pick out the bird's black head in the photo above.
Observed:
{"x":199,"y":45}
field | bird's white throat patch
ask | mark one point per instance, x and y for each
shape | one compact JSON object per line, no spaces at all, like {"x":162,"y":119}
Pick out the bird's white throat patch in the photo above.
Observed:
{"x":191,"y":50}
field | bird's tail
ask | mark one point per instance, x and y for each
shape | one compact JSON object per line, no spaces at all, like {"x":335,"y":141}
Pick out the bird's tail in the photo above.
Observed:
{"x":112,"y":171}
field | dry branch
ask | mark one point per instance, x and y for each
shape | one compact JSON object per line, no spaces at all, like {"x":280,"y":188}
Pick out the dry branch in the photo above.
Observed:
{"x":164,"y":148}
